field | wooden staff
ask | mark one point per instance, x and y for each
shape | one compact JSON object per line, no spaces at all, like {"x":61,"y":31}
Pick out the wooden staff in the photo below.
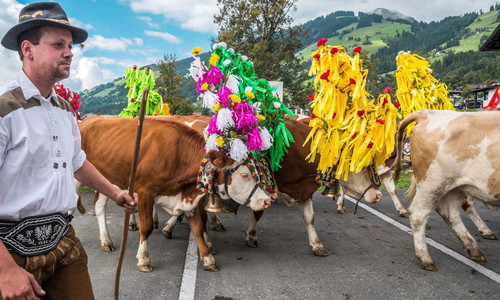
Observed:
{"x":130,"y":192}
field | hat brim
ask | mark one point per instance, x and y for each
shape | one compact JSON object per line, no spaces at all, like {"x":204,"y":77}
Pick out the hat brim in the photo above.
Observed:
{"x":9,"y":40}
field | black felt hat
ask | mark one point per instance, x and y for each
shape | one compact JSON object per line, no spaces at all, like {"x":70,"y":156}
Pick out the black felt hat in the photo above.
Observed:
{"x":42,"y":14}
{"x":493,"y":41}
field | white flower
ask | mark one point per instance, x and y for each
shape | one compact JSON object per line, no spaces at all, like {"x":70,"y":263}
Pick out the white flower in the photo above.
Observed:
{"x":400,"y":52}
{"x":224,"y":119}
{"x":433,"y":99}
{"x":276,"y":104}
{"x":248,"y":89}
{"x":214,"y":46}
{"x":223,"y":44}
{"x":196,"y":69}
{"x":433,"y":86}
{"x":211,"y":143}
{"x":233,"y":83}
{"x":230,"y":50}
{"x":209,"y":99}
{"x":267,"y":139}
{"x":238,"y":150}
{"x":226,"y":63}
{"x":244,"y":57}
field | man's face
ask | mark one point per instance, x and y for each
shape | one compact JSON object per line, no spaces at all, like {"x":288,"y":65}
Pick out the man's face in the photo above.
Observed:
{"x":52,"y":56}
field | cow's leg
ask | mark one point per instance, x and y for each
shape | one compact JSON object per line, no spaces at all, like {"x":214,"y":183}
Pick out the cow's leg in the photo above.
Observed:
{"x":340,"y":203}
{"x":419,"y":211}
{"x":390,"y":186}
{"x":306,"y":207}
{"x":251,"y":233}
{"x":169,"y":226}
{"x":449,"y":209}
{"x":100,"y":213}
{"x":145,"y":228}
{"x":132,"y":223}
{"x":206,"y":237}
{"x":469,"y":207}
{"x":155,"y":217}
{"x":215,"y":223}
{"x":198,"y":228}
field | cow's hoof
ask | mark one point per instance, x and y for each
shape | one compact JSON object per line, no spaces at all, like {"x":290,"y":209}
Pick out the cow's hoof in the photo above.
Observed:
{"x":212,"y":268}
{"x":145,"y":268}
{"x":108,"y":248}
{"x":133,"y":227}
{"x":478,"y":258}
{"x":490,"y":236}
{"x":429,"y":267}
{"x":252,"y":243}
{"x":342,"y":211}
{"x":167,"y":233}
{"x":320,"y":252}
{"x":404,"y":214}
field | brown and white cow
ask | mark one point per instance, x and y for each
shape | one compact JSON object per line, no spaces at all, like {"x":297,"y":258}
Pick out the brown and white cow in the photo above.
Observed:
{"x":449,"y":164}
{"x":168,"y":166}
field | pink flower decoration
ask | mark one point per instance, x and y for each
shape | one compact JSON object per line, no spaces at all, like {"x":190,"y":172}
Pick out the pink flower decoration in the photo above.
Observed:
{"x":224,"y":99}
{"x":245,"y":118}
{"x":254,"y":141}
{"x":214,"y":76}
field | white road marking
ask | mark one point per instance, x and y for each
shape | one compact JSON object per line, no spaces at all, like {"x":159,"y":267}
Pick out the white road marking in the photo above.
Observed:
{"x":190,"y":268}
{"x":486,"y":272}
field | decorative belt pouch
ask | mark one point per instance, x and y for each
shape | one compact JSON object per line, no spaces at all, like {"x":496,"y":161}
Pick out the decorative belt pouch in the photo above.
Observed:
{"x":33,"y":236}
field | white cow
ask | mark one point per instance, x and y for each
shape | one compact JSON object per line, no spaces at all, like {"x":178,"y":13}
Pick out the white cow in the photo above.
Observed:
{"x":450,"y":163}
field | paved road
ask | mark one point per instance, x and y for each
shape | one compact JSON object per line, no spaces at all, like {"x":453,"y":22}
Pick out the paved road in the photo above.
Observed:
{"x":369,"y":258}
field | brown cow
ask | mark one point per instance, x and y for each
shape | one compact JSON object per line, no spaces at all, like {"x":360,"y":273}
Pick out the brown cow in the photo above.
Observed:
{"x":169,"y":162}
{"x":449,"y":164}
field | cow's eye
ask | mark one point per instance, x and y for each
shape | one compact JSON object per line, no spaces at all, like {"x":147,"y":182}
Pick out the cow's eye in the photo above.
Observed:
{"x":244,"y":175}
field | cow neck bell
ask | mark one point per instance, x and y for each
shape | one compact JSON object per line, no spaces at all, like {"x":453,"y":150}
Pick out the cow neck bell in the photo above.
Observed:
{"x":214,"y":203}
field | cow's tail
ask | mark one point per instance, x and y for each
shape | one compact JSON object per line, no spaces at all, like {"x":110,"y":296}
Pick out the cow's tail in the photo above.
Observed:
{"x":413,"y":117}
{"x":410,"y":193}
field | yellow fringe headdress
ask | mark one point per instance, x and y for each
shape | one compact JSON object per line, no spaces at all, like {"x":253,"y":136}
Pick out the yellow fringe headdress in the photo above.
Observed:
{"x":417,"y":88}
{"x":350,"y":130}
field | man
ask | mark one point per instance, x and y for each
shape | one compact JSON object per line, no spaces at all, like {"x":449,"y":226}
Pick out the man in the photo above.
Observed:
{"x":40,"y":155}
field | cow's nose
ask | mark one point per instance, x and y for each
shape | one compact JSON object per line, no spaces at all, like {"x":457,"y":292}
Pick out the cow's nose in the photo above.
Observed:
{"x":378,"y":197}
{"x":274,"y":197}
{"x":267,"y":203}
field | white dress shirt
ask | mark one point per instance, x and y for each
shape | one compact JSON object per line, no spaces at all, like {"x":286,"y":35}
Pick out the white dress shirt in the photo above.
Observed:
{"x":40,"y":149}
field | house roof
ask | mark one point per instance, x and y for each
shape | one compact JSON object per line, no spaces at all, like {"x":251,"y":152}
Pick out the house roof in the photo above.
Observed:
{"x":493,"y":41}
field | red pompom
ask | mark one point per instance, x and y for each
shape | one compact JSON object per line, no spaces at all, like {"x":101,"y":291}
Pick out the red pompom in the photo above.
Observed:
{"x":313,"y":116}
{"x":381,"y":121}
{"x":397,"y":105}
{"x":387,"y":90}
{"x":322,"y":42}
{"x":317,"y":56}
{"x":334,"y":115}
{"x":311,"y":97}
{"x":361,"y":113}
{"x":354,"y":136}
{"x":325,"y":75}
{"x":352,"y":81}
{"x":370,"y":145}
{"x":357,"y":49}
{"x":334,"y":50}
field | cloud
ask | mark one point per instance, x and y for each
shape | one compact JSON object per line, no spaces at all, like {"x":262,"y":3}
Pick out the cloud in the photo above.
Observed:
{"x":111,"y":44}
{"x":192,"y":15}
{"x":164,"y":35}
{"x":149,"y":22}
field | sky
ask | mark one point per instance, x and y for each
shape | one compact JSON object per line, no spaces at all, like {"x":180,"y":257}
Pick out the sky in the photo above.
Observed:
{"x":124,"y":33}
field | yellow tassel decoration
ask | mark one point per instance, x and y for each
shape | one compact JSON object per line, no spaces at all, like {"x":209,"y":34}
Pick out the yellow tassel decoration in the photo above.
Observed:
{"x":417,"y":88}
{"x":350,"y":129}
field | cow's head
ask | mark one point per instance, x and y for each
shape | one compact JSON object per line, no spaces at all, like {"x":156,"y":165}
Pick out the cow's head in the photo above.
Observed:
{"x":236,"y":182}
{"x":363,"y":184}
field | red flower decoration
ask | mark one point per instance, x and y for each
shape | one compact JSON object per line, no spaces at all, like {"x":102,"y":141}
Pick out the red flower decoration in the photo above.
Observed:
{"x":381,"y":121}
{"x":322,"y":42}
{"x":387,"y":90}
{"x":385,"y":101}
{"x":134,"y":67}
{"x":334,"y":115}
{"x":325,"y":75}
{"x":334,"y":51}
{"x":132,"y":100}
{"x":354,"y":136}
{"x":397,"y":104}
{"x":313,"y":116}
{"x":357,"y":49}
{"x":311,"y":97}
{"x":317,"y":56}
{"x":361,"y":112}
{"x":370,"y":145}
{"x":352,"y":81}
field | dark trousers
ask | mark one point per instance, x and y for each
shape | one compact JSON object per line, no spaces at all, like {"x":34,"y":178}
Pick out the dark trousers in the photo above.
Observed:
{"x":62,"y":272}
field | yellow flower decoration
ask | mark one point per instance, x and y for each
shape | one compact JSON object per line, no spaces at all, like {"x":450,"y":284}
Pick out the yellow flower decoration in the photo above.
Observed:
{"x":235,"y":98}
{"x":214,"y":58}
{"x":250,"y":95}
{"x":220,"y":142}
{"x":196,"y":50}
{"x":204,"y":86}
{"x":216,"y":106}
{"x":234,"y":135}
{"x":260,"y":117}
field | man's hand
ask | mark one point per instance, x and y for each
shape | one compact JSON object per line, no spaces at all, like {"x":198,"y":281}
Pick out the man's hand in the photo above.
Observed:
{"x":17,"y":283}
{"x":124,"y":200}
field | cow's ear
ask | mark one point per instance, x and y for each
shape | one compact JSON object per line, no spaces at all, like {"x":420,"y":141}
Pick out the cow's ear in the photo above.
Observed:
{"x":219,"y":160}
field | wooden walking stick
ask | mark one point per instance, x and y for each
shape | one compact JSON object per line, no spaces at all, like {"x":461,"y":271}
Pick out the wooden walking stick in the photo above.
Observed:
{"x":130,"y":192}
